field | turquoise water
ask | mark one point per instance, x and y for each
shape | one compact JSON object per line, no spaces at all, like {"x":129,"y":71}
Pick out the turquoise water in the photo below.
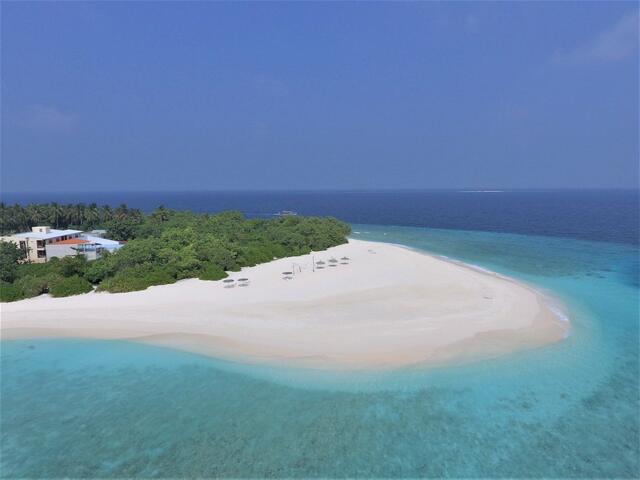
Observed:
{"x":114,"y":409}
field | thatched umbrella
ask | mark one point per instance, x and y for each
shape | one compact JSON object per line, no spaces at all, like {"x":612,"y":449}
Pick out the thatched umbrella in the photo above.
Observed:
{"x":243,"y":279}
{"x":333,"y":260}
{"x":228,"y":280}
{"x":320,"y":262}
{"x":345,"y":258}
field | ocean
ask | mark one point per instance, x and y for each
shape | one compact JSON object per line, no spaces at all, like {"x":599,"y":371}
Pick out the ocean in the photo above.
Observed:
{"x":76,"y":408}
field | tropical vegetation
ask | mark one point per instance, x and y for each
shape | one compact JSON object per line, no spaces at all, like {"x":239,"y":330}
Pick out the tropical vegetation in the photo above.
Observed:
{"x":161,"y":248}
{"x":18,"y":218}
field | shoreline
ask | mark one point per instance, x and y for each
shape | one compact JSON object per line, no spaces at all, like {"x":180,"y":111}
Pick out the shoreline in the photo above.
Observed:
{"x":389,"y":307}
{"x":552,"y":302}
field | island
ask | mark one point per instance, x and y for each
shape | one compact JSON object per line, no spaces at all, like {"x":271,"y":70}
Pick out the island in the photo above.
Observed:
{"x":355,"y":305}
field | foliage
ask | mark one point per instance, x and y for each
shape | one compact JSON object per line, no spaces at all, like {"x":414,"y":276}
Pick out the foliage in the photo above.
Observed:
{"x":122,"y":229}
{"x":64,"y":287}
{"x":212,"y":272}
{"x":18,"y":218}
{"x":9,"y":292}
{"x":169,"y":245}
{"x":29,"y":285}
{"x":69,"y":266}
{"x":32,"y":285}
{"x":98,"y":271}
{"x":10,"y":255}
{"x":39,"y":269}
{"x":136,"y":278}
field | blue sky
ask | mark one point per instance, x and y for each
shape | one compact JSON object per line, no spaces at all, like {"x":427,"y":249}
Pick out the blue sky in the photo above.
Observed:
{"x":207,"y":96}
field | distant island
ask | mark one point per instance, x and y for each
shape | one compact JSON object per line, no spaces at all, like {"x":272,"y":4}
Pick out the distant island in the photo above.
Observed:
{"x":159,"y":248}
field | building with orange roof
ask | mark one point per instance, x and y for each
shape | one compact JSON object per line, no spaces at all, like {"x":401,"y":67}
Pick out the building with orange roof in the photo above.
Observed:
{"x":43,"y":243}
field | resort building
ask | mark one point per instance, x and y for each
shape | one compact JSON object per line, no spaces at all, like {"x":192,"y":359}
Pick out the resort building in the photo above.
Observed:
{"x":104,"y":243}
{"x":43,"y":243}
{"x":72,"y":247}
{"x":97,"y":233}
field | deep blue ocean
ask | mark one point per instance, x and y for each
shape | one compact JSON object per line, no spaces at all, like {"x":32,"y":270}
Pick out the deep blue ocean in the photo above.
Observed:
{"x":608,"y":215}
{"x":72,"y":408}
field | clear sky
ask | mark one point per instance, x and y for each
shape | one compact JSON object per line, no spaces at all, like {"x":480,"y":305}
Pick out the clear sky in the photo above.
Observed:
{"x":207,"y":96}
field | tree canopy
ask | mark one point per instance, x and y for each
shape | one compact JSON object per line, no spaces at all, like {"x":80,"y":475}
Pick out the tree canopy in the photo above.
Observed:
{"x":168,"y":245}
{"x":18,"y":218}
{"x":10,"y":256}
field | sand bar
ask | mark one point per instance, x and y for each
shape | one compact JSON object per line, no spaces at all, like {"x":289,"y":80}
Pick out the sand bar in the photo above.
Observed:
{"x":385,"y":307}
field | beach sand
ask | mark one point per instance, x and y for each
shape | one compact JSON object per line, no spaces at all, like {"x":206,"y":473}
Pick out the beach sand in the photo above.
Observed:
{"x":389,"y":307}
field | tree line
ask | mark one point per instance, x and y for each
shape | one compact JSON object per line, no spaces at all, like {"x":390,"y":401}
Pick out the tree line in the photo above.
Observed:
{"x":18,"y":218}
{"x":166,"y":246}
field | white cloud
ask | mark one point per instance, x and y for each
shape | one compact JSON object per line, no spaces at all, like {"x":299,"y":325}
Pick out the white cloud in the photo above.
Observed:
{"x":48,"y":118}
{"x":614,"y":44}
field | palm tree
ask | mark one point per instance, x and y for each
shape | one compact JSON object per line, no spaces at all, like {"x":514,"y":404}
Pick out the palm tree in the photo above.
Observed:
{"x":92,"y":215}
{"x":79,"y":214}
{"x":122,"y":211}
{"x":107,"y":213}
{"x":161,"y":214}
{"x":32,"y":215}
{"x":57,"y":212}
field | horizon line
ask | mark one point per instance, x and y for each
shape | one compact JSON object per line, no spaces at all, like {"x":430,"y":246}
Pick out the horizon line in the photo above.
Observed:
{"x":331,"y":190}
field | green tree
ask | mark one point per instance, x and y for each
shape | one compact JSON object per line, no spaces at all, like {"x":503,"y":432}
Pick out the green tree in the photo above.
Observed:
{"x":92,"y":216}
{"x":161,"y":248}
{"x":121,"y":228}
{"x":70,"y":266}
{"x":9,"y":292}
{"x":69,"y":286}
{"x":10,"y":256}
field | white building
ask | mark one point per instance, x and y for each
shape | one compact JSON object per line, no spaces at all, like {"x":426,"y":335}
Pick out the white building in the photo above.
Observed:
{"x":35,"y":242}
{"x":43,"y":243}
{"x":105,"y":243}
{"x":72,"y":247}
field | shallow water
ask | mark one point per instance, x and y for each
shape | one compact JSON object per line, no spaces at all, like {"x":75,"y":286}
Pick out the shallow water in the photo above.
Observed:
{"x":116,"y":409}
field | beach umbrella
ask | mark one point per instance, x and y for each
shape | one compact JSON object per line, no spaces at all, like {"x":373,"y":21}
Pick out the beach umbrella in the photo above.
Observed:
{"x":344,"y":258}
{"x":228,"y":280}
{"x":320,"y":262}
{"x":287,"y":273}
{"x":333,"y":260}
{"x":243,"y":279}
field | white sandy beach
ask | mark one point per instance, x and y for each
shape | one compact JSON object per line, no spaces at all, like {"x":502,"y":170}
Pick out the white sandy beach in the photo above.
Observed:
{"x":389,"y":307}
